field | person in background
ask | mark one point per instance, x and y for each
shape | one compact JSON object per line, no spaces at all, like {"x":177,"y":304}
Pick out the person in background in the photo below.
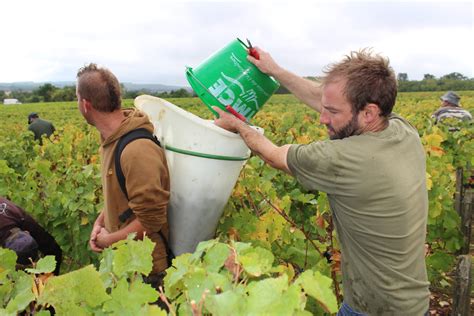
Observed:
{"x":373,"y":171}
{"x":39,"y":126}
{"x":450,"y":108}
{"x":22,"y":234}
{"x":143,"y":164}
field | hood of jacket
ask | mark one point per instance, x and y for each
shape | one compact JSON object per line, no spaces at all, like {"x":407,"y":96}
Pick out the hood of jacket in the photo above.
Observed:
{"x":133,"y":119}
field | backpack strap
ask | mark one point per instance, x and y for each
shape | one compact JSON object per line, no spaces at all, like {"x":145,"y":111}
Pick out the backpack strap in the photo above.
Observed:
{"x":124,"y":141}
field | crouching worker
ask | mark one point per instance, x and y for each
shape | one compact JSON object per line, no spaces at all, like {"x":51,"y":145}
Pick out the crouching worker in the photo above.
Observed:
{"x":135,"y":177}
{"x":22,"y":234}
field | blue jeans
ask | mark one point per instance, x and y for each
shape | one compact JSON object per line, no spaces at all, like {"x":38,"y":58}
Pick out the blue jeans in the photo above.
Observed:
{"x":346,"y":310}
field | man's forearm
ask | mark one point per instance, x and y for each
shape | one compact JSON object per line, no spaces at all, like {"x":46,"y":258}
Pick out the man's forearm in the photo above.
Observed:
{"x":273,"y":155}
{"x":100,"y":220}
{"x":307,"y":91}
{"x":134,"y":227}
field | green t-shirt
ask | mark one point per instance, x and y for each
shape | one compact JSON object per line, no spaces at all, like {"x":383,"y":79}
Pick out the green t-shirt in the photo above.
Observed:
{"x":376,"y":185}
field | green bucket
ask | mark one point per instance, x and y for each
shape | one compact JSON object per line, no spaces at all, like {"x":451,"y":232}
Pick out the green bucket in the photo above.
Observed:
{"x":228,"y":78}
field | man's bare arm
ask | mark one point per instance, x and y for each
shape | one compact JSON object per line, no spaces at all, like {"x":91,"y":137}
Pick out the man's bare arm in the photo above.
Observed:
{"x":307,"y":91}
{"x":272,"y":154}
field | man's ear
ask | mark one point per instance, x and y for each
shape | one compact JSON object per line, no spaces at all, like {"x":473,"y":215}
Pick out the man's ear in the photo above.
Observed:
{"x":87,"y":105}
{"x":371,"y":113}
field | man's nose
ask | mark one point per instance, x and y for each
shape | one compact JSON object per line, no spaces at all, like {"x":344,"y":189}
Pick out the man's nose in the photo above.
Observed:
{"x":324,"y":118}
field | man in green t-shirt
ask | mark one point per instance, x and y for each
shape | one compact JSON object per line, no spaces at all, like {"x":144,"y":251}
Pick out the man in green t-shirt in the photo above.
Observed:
{"x":373,"y":170}
{"x":39,"y":127}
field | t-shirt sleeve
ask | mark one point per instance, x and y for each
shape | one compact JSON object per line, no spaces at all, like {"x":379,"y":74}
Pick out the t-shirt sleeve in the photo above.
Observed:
{"x":314,"y":165}
{"x":147,"y":181}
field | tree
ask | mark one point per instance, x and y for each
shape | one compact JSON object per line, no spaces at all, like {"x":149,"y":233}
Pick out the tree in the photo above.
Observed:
{"x":454,"y":76}
{"x":180,"y":93}
{"x":428,"y":77}
{"x":403,"y":76}
{"x":45,"y":91}
{"x":67,"y":93}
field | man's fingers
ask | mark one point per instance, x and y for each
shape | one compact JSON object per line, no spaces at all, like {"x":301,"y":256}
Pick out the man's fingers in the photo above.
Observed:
{"x":94,"y":247}
{"x":218,"y":110}
{"x":251,"y":59}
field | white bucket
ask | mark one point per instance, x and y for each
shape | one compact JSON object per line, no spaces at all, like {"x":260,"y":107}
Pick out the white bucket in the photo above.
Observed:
{"x":200,"y":186}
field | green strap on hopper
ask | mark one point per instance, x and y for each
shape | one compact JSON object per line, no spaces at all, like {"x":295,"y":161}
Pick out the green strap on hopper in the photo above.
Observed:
{"x":203,"y":155}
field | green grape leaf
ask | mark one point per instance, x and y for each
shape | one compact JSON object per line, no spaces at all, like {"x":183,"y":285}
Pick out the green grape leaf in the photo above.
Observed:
{"x":216,"y":256}
{"x":196,"y":283}
{"x":133,"y":256}
{"x":7,"y":259}
{"x":226,"y":303}
{"x":22,"y":294}
{"x":285,"y":203}
{"x":152,"y":310}
{"x":265,"y":293}
{"x":319,"y":287}
{"x":6,"y":289}
{"x":290,"y":301}
{"x":220,"y":282}
{"x":179,"y":269}
{"x":241,"y":247}
{"x":130,"y":301}
{"x":302,"y":313}
{"x":202,"y":247}
{"x":44,"y":168}
{"x":440,"y":261}
{"x":70,"y":293}
{"x":106,"y":266}
{"x":256,"y":261}
{"x":44,"y":265}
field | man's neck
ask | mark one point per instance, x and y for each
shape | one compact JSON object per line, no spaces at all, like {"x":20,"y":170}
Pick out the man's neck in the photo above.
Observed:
{"x":376,"y":126}
{"x":108,"y":123}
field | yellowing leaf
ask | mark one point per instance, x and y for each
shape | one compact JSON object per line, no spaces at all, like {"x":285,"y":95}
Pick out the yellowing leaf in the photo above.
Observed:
{"x":84,"y":220}
{"x":429,"y":182}
{"x":436,"y":151}
{"x":433,"y":140}
{"x":269,"y":227}
{"x":303,"y":139}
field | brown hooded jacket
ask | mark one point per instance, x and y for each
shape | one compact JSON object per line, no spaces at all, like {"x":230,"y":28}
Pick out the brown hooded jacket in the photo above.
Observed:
{"x":147,"y":181}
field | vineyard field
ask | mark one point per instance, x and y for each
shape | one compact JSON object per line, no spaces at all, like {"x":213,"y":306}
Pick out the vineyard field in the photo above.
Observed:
{"x":280,"y":233}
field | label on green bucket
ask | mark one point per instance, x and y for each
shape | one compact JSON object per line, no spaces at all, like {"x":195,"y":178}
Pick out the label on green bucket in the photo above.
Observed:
{"x":228,"y":78}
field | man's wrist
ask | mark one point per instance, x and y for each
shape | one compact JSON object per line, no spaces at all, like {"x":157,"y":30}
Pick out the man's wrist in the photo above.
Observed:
{"x":279,"y":73}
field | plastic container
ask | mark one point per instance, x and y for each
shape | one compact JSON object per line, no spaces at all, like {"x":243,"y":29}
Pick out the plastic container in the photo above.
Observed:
{"x":228,"y":78}
{"x":204,"y":161}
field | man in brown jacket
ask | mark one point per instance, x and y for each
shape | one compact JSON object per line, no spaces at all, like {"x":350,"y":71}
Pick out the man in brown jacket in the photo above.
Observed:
{"x":143,"y":165}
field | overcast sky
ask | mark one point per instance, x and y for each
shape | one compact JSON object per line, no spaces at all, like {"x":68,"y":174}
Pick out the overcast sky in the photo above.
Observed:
{"x":152,"y":41}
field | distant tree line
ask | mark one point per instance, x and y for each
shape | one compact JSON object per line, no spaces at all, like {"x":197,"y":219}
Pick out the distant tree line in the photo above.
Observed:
{"x":453,"y":81}
{"x":51,"y":93}
{"x":44,"y":93}
{"x":180,"y":93}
